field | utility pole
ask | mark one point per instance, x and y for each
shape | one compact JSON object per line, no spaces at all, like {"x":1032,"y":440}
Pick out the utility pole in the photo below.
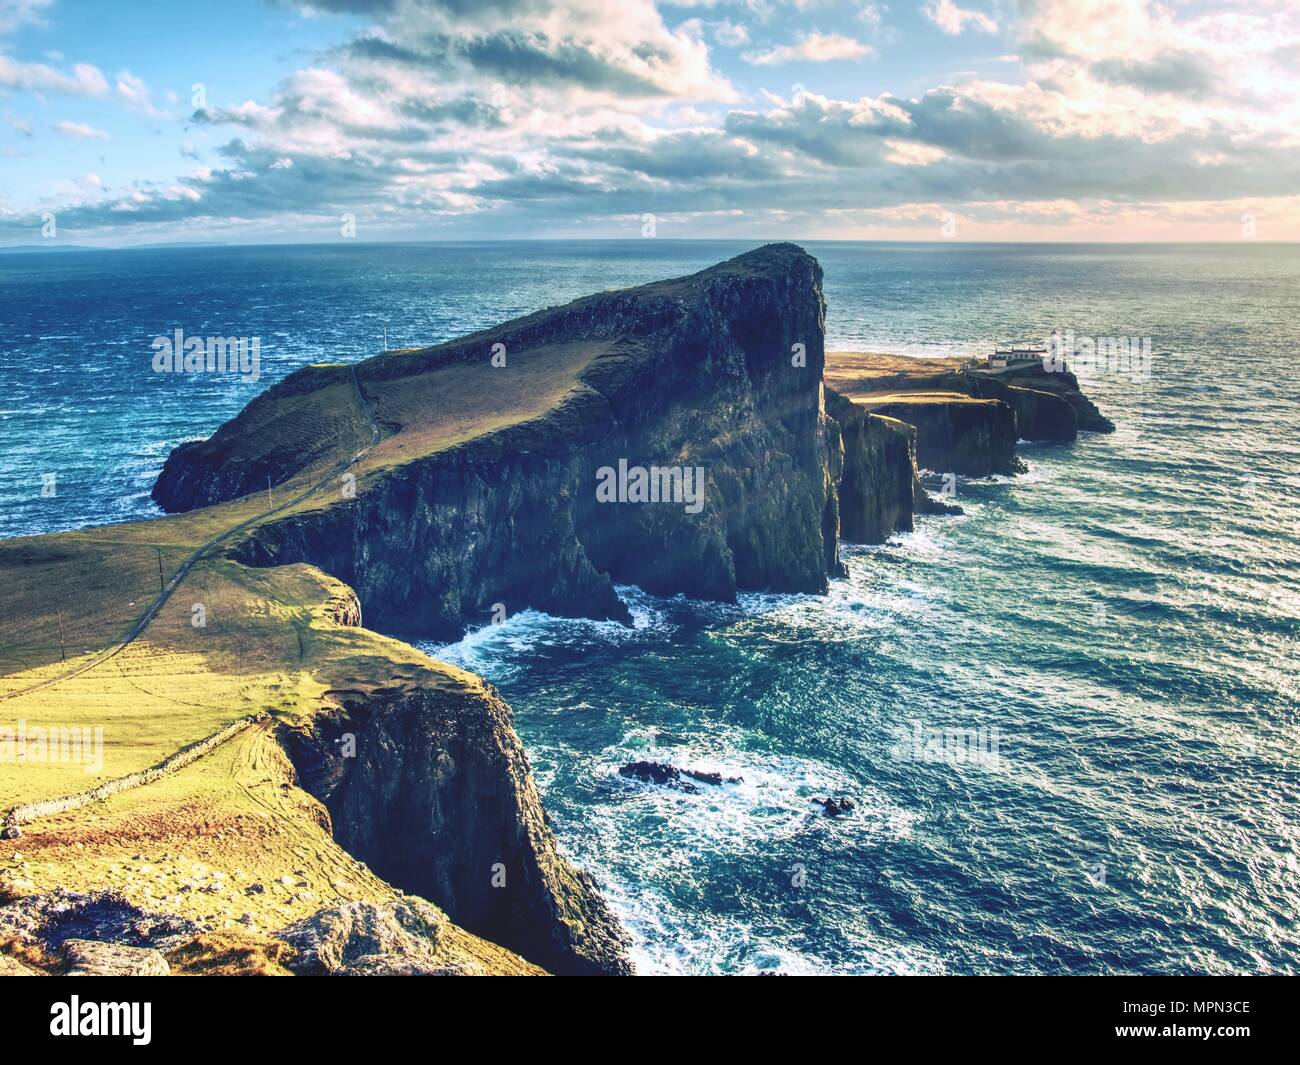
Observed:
{"x":270,"y":496}
{"x":385,"y":336}
{"x":162,"y":587}
{"x":63,"y":647}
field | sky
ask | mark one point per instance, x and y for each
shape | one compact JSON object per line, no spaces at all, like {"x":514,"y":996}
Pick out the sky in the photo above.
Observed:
{"x":262,"y":121}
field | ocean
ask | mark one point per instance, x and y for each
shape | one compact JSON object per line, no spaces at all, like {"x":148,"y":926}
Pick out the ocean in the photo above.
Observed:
{"x":1117,"y":626}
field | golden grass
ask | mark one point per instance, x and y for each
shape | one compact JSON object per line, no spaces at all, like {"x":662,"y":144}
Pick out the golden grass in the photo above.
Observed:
{"x":227,"y":836}
{"x":429,"y":412}
{"x":229,"y":840}
{"x":853,"y":371}
{"x":918,"y":399}
{"x":230,"y":953}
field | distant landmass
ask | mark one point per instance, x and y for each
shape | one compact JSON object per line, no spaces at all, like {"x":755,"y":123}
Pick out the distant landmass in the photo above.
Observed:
{"x":54,"y":245}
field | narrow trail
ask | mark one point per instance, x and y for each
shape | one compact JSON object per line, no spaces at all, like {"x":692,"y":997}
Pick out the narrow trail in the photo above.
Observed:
{"x":203,"y":551}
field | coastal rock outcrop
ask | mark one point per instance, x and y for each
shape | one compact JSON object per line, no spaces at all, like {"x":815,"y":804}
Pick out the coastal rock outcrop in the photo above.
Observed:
{"x":878,"y":484}
{"x":1040,"y":413}
{"x":955,"y":433}
{"x":86,"y":957}
{"x":438,"y":799}
{"x":1063,"y":384}
{"x":365,"y":939}
{"x":671,"y":776}
{"x":719,"y":373}
{"x":52,"y":919}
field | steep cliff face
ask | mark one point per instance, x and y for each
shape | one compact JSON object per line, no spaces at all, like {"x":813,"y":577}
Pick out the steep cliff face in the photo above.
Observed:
{"x":922,"y":501}
{"x":719,"y":372}
{"x":1040,"y":414}
{"x":1064,"y":385}
{"x":430,"y":787}
{"x":957,"y":434}
{"x":474,"y":469}
{"x":878,"y":487}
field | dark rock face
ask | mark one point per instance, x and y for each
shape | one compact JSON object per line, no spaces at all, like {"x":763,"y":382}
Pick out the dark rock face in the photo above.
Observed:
{"x":1064,"y":385}
{"x":435,"y":543}
{"x":670,"y":776}
{"x":439,"y":800}
{"x":657,"y":773}
{"x":699,"y":372}
{"x":972,"y":438}
{"x":880,"y":488}
{"x":1040,"y":414}
{"x":834,"y":807}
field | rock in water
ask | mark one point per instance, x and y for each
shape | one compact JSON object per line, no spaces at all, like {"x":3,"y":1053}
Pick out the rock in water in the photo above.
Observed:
{"x":833,"y":807}
{"x":716,"y":779}
{"x":658,"y":773}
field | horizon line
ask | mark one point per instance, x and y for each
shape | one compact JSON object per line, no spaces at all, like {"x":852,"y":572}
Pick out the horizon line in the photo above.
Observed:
{"x":198,"y":244}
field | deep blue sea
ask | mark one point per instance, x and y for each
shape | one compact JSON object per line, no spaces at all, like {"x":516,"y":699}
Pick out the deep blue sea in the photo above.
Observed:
{"x":1124,"y":615}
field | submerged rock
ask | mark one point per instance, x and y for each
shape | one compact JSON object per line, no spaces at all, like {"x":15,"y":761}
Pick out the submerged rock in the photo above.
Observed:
{"x":657,"y":773}
{"x":671,"y":776}
{"x":833,"y":807}
{"x":716,"y":779}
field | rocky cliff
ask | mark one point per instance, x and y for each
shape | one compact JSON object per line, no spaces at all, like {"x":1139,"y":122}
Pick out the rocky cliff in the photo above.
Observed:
{"x":438,"y":798}
{"x":1040,"y":414}
{"x":1065,"y":386}
{"x":478,"y":487}
{"x":967,"y":420}
{"x":956,"y":433}
{"x":719,"y":372}
{"x":880,"y":487}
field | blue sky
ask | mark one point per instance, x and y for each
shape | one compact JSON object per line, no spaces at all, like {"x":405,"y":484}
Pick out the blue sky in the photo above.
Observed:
{"x":419,"y":119}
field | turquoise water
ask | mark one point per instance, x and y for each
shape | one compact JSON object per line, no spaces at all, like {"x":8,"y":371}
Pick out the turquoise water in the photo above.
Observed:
{"x":1124,"y":615}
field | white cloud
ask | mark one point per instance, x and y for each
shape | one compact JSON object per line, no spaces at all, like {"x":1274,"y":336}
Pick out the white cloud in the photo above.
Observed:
{"x":85,"y":80}
{"x":81,"y":131}
{"x":17,"y":13}
{"x":953,"y":19}
{"x":910,"y":153}
{"x":133,"y":91}
{"x":517,"y":115}
{"x":815,"y":48}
